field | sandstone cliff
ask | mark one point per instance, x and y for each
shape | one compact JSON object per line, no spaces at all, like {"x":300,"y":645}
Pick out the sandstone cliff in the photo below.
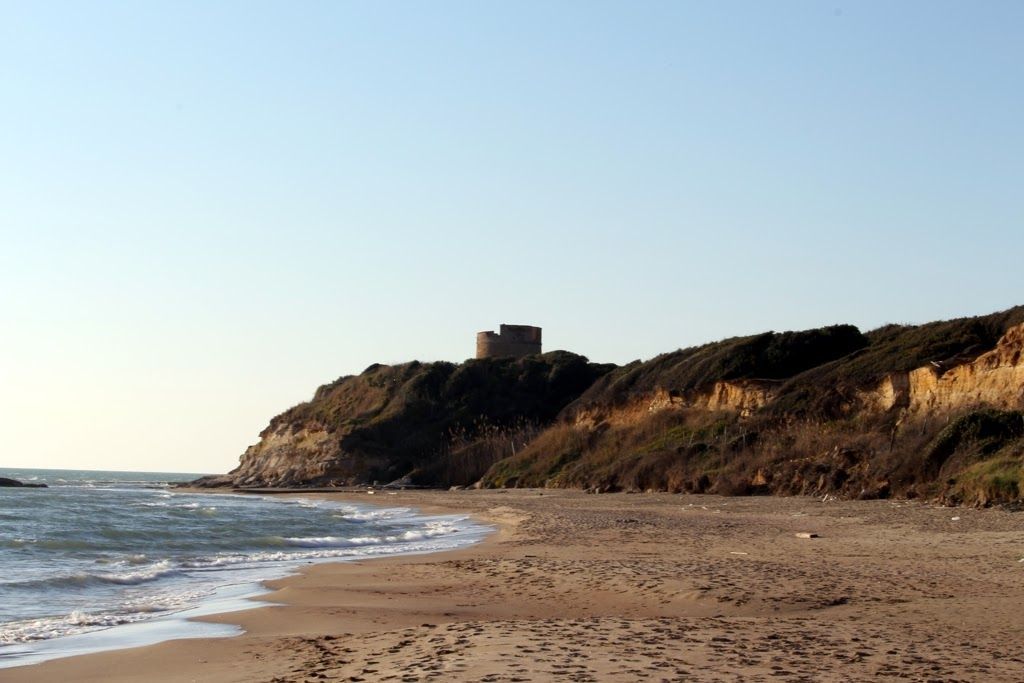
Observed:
{"x":743,"y":397}
{"x":994,"y":379}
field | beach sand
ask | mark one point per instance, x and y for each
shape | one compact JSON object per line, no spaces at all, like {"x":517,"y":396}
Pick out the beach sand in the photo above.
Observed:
{"x":656,"y":587}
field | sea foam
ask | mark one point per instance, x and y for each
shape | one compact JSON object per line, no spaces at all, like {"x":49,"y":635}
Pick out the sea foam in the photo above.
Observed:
{"x":97,"y":553}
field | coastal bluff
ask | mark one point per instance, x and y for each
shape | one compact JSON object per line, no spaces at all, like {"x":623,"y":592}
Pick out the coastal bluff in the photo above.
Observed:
{"x":933,"y":410}
{"x":421,"y":423}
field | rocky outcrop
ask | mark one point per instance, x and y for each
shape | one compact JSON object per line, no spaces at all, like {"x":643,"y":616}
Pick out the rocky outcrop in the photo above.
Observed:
{"x":14,"y":483}
{"x":308,"y":454}
{"x":738,"y":396}
{"x":994,"y":379}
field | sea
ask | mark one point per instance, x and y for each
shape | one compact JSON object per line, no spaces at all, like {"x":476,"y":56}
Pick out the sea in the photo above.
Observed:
{"x":104,"y":560}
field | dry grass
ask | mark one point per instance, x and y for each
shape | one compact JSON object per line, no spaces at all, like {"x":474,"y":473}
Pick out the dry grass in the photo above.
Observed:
{"x":872,"y":456}
{"x":469,"y":453}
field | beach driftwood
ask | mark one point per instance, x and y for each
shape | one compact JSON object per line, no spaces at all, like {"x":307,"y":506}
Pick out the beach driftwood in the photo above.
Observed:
{"x":4,"y":481}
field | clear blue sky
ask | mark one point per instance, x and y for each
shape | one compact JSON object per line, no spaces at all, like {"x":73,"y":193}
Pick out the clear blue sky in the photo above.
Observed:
{"x":207,"y":209}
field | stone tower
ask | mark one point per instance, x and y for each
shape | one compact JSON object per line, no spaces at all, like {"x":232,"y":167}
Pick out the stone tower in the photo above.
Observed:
{"x":511,"y":340}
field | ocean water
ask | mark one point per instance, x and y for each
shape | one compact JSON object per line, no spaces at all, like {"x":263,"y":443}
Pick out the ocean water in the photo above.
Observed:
{"x":112,"y":559}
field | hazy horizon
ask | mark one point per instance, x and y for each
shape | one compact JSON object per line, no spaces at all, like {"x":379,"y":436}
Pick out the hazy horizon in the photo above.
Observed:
{"x":210,"y":210}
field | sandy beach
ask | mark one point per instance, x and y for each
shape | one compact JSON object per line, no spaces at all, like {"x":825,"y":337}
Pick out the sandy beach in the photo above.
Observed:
{"x":657,"y":587}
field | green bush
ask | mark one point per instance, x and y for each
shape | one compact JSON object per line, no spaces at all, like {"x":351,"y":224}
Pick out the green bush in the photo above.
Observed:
{"x":771,"y":355}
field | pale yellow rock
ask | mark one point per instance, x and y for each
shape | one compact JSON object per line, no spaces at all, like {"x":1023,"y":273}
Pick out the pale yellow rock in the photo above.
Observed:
{"x":995,"y":378}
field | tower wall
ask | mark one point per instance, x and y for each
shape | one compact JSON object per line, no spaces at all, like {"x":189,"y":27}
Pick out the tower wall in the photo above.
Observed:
{"x":511,"y":340}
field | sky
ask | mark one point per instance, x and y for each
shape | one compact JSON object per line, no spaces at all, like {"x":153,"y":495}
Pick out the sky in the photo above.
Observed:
{"x":209,"y":209}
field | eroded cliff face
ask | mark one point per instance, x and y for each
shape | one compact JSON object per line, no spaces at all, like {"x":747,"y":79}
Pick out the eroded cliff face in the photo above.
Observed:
{"x":950,"y":429}
{"x":740,"y":396}
{"x":305,"y":446}
{"x":737,"y":396}
{"x":308,"y":455}
{"x":994,"y":379}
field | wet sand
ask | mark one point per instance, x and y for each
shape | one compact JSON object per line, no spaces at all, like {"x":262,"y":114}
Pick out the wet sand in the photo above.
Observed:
{"x":657,"y":587}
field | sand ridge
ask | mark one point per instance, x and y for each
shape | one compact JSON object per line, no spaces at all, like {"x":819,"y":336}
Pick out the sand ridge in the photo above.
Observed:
{"x":622,"y":587}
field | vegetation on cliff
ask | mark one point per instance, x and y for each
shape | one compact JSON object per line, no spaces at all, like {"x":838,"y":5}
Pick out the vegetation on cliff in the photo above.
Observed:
{"x":814,"y":436}
{"x":400,"y":421}
{"x":827,"y":391}
{"x":824,"y":411}
{"x":771,"y":356}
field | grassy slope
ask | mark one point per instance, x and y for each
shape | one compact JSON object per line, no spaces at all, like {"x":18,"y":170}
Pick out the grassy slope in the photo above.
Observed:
{"x":825,"y":391}
{"x":806,"y":441}
{"x":411,"y":413}
{"x":769,"y":355}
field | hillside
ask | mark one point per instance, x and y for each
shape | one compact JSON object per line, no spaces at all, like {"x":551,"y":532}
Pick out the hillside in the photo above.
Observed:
{"x":930,"y":410}
{"x":412,"y":421}
{"x":907,"y":410}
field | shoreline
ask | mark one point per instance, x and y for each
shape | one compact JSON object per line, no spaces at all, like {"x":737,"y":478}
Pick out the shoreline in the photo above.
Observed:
{"x":630,"y":587}
{"x":199,"y":619}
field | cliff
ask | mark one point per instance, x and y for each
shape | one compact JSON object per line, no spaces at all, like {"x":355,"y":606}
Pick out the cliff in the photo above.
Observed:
{"x":412,"y":421}
{"x":931,"y":410}
{"x":995,"y":379}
